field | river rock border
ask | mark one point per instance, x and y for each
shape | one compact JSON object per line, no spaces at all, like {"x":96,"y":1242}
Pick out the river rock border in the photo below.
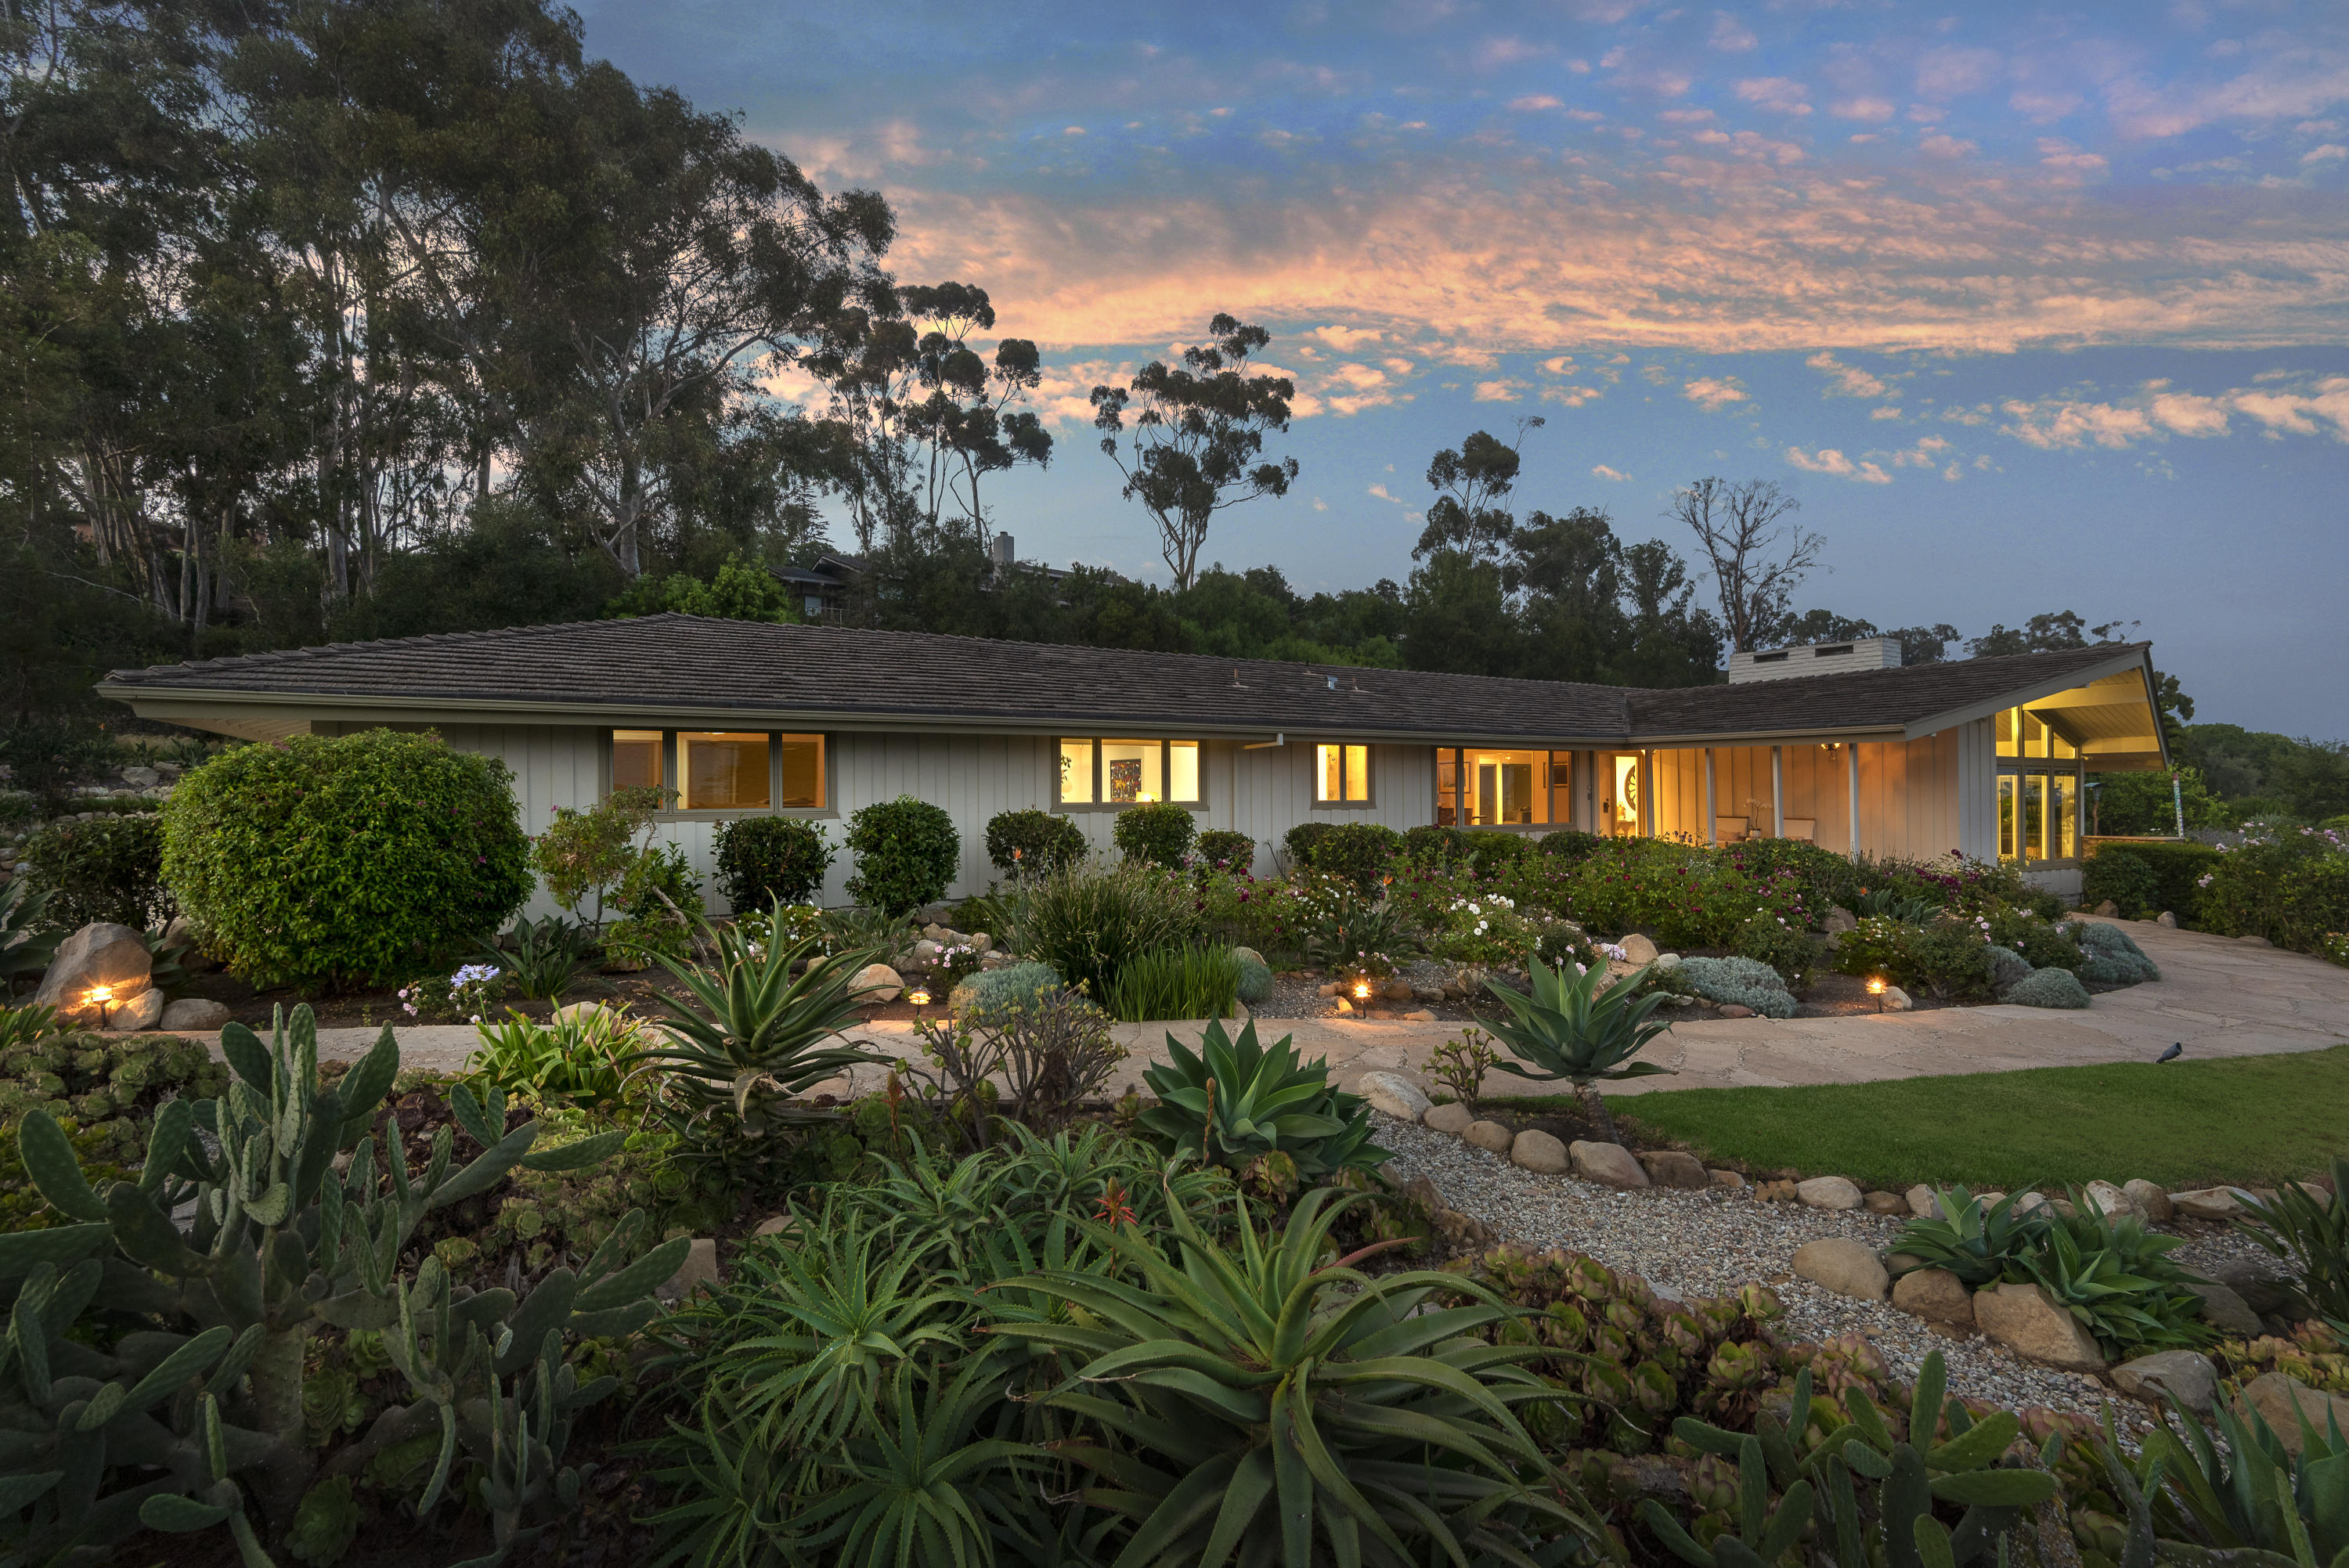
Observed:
{"x":2023,"y":1318}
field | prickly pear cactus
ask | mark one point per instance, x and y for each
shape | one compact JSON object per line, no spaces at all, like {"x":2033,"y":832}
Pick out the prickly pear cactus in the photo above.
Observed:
{"x":240,"y":1233}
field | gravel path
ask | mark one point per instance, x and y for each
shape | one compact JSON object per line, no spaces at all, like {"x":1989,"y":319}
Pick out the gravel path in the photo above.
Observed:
{"x":1707,"y":1244}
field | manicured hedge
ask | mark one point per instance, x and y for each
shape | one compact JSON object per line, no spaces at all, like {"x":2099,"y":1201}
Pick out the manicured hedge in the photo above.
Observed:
{"x":906,"y":853}
{"x":763,"y":860}
{"x":1159,"y":832}
{"x":2293,"y":889}
{"x":2143,"y":878}
{"x":323,"y":860}
{"x":110,"y":868}
{"x":1033,"y":843}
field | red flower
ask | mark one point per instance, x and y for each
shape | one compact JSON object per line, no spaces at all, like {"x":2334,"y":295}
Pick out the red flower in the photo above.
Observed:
{"x":1111,"y":1209}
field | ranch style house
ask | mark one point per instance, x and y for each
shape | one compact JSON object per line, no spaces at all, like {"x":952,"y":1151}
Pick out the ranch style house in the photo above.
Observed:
{"x":1836,"y":744}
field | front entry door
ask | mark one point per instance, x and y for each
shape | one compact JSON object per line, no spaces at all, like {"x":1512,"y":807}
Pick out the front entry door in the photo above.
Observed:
{"x":1618,"y":795}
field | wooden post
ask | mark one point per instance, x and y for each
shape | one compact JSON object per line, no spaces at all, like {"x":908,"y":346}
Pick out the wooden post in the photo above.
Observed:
{"x":1648,"y":794}
{"x":1777,"y":792}
{"x":1712,"y":815}
{"x":1852,"y":753}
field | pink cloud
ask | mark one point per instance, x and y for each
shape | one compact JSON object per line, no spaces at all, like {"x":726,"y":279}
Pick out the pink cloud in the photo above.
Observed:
{"x":1828,"y":460}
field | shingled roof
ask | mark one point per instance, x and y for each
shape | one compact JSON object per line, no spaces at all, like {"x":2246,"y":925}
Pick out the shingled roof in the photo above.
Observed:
{"x":686,"y":665}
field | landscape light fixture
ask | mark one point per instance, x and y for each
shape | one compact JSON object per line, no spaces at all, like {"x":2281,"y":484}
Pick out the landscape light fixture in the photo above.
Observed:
{"x":1875,"y":989}
{"x":1362,"y":990}
{"x":101,"y":997}
{"x":919,"y":997}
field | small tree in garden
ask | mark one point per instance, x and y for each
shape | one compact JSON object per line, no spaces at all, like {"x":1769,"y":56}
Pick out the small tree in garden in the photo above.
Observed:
{"x":108,"y":868}
{"x":319,"y":859}
{"x":1033,"y":843}
{"x":761,"y":859}
{"x":592,"y":857}
{"x":906,"y":850}
{"x":1160,"y":833}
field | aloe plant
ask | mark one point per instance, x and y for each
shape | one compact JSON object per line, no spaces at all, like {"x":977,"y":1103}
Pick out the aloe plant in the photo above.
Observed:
{"x":1238,"y":1103}
{"x":2246,"y":1498}
{"x":1581,"y":1030}
{"x":171,"y":1429}
{"x":2311,"y":1233}
{"x":751,"y":1037}
{"x":1272,"y":1397}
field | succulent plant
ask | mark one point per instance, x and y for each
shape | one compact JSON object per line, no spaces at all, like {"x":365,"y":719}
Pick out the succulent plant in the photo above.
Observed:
{"x":1236,"y":1101}
{"x":2247,"y":1499}
{"x":170,"y":1429}
{"x":1579,"y":1030}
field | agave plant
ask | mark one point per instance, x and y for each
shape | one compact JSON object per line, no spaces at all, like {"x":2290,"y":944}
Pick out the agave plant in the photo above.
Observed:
{"x":1237,"y":1103}
{"x":542,"y":956}
{"x":2312,"y":1233}
{"x":1581,"y":1030}
{"x":1267,"y":1397}
{"x":2247,"y":1499}
{"x":1977,"y":1245}
{"x":754,"y":1039}
{"x":25,"y":948}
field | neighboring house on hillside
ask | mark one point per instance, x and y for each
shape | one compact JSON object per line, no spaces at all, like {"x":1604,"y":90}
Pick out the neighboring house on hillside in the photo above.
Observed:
{"x":821,"y":590}
{"x":1834,"y":743}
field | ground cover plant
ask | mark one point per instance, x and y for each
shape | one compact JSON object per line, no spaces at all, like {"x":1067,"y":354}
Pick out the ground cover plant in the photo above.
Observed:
{"x":2183,"y":1124}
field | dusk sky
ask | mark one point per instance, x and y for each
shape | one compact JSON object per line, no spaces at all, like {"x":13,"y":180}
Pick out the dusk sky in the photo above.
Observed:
{"x":2034,"y":307}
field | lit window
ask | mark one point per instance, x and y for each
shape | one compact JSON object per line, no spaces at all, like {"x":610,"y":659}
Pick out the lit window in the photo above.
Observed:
{"x":2010,"y":732}
{"x":1182,"y":770}
{"x":1342,"y":775}
{"x":802,"y":768}
{"x":722,"y":771}
{"x":1096,"y":771}
{"x":636,"y":758}
{"x":1076,"y":772}
{"x":1133,"y":772}
{"x":1475,"y":789}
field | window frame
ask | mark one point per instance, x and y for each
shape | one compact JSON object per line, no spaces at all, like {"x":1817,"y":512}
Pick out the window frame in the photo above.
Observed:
{"x":1098,"y":745}
{"x":1561,"y":796}
{"x":1370,"y":797}
{"x":826,"y":766}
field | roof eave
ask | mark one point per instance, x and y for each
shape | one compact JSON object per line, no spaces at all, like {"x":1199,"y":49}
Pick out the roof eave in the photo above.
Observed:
{"x":2139,"y":657}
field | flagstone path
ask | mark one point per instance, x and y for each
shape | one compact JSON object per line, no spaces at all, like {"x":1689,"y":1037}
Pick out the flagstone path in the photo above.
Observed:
{"x":2216,"y":998}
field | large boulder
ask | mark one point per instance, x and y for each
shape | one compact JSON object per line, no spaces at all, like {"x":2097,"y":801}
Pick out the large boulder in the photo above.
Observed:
{"x":1392,"y":1093}
{"x":1829,"y":1192}
{"x":2116,"y":1202}
{"x":876,"y":983}
{"x":700,"y":1268}
{"x":1490,"y":1135}
{"x":195,"y":1014}
{"x":2028,"y":1320}
{"x":1538,"y":1152}
{"x":101,"y":957}
{"x":144,"y":1011}
{"x":1937,"y":1296}
{"x":2206,"y":1203}
{"x":2150,"y":1201}
{"x":1674,"y":1168}
{"x":1454,"y":1119}
{"x":2227,"y":1312}
{"x":1609,"y":1164}
{"x":2281,"y":1401}
{"x":2184,"y":1374}
{"x":1843,"y":1266}
{"x":2265,"y":1288}
{"x":1638,"y":949}
{"x":1924,"y":1203}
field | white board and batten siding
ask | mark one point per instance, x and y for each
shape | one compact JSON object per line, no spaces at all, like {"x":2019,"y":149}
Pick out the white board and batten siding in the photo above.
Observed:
{"x":1918,"y":800}
{"x":1262,"y":792}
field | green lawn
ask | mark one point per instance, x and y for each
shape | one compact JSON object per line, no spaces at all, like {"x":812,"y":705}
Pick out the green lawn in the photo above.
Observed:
{"x":2184,"y":1124}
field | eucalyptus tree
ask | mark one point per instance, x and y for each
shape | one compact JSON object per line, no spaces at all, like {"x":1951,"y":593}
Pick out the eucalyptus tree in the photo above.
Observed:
{"x":1756,"y":553}
{"x":1189,"y":440}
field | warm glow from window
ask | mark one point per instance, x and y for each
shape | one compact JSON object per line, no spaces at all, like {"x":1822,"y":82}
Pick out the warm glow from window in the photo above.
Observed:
{"x":802,"y":756}
{"x":636,"y":758}
{"x":722,"y":770}
{"x":1182,"y":770}
{"x":1132,"y":771}
{"x":1341,"y":774}
{"x":1076,"y":772}
{"x":1624,"y":819}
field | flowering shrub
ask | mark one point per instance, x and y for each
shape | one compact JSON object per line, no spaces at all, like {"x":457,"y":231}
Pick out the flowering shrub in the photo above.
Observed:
{"x":2335,"y":947}
{"x":1031,"y":842}
{"x":1789,"y":950}
{"x":1949,"y":958}
{"x":1484,"y":929}
{"x":2037,"y":941}
{"x":1686,"y":897}
{"x":466,"y":996}
{"x":759,"y":927}
{"x":1224,"y":848}
{"x":2289,"y":885}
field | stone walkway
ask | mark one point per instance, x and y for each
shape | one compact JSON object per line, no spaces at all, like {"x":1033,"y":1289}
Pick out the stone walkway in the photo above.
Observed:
{"x":2218,"y":997}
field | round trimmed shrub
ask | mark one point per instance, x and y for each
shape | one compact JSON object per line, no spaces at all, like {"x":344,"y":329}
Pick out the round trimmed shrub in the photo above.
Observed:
{"x":2047,"y":988}
{"x":1160,"y":833}
{"x":1299,"y":841}
{"x":1033,"y":843}
{"x":1358,"y":852}
{"x":906,"y":851}
{"x":763,"y":860}
{"x":1792,"y":953}
{"x":1492,"y":851}
{"x":323,"y":859}
{"x":2008,"y":968}
{"x":1431,"y":845}
{"x":1225,"y":847}
{"x":110,"y":868}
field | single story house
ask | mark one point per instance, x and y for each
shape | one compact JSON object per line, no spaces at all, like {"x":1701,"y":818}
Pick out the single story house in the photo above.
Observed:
{"x":1835,"y":743}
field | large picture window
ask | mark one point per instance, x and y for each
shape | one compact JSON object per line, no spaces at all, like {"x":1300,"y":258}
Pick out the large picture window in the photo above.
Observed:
{"x":722,"y":770}
{"x":1100,"y":771}
{"x":2039,"y":787}
{"x":1481,"y":788}
{"x":1342,"y":775}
